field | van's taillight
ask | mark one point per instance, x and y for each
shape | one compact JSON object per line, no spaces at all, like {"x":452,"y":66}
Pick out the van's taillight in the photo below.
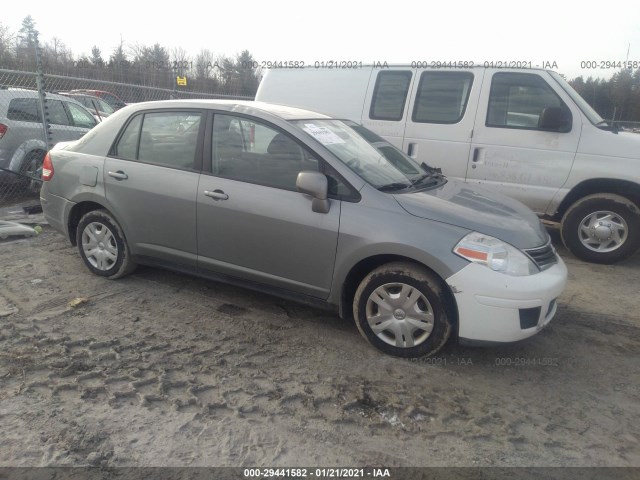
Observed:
{"x":47,"y":168}
{"x":3,"y":129}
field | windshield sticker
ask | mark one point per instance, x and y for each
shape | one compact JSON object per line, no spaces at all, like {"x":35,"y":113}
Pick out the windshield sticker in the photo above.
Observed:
{"x":322,"y":134}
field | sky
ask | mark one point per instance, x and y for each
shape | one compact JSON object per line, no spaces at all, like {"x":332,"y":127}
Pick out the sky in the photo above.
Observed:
{"x":562,"y":35}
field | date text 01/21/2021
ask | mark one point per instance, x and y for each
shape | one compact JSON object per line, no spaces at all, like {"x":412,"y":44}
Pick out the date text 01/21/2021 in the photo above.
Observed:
{"x":317,"y":472}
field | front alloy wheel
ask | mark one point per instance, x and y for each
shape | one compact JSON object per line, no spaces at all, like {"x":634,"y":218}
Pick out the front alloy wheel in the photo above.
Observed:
{"x":400,"y":309}
{"x":602,"y":228}
{"x":399,"y":315}
{"x":603,"y":231}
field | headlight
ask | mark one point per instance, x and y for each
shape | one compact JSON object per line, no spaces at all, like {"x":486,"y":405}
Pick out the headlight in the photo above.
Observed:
{"x":495,"y":254}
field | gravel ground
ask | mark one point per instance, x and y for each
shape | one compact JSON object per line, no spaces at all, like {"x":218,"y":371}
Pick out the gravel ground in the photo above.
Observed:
{"x":162,"y":369}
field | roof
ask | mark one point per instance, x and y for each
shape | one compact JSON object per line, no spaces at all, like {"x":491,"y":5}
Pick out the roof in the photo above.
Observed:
{"x":239,"y":106}
{"x":26,"y":93}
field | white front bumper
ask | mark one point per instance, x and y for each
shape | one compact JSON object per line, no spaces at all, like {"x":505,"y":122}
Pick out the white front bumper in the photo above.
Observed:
{"x":489,"y":302}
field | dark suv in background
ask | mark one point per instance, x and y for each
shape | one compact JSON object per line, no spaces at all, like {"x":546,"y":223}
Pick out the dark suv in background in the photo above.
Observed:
{"x":99,"y":108}
{"x":22,"y":143}
{"x":113,"y":100}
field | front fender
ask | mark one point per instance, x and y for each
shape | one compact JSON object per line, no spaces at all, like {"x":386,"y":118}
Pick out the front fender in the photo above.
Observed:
{"x":364,"y":233}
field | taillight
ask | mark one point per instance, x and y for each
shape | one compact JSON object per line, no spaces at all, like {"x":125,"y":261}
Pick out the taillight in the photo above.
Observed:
{"x":47,"y":168}
{"x":3,"y":129}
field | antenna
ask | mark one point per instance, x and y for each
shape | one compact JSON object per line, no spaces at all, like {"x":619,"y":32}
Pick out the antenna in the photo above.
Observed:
{"x":626,"y":62}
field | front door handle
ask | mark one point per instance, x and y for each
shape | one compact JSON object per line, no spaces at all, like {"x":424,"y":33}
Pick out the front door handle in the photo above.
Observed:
{"x":476,"y":157}
{"x":216,"y":194}
{"x":119,"y":175}
{"x":412,"y":150}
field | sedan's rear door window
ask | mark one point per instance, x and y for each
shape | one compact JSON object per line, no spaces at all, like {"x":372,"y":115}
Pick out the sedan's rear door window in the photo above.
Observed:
{"x":127,"y":146}
{"x":167,"y":138}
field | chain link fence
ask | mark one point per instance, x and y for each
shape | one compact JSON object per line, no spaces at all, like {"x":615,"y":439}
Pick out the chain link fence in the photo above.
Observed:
{"x":39,"y":110}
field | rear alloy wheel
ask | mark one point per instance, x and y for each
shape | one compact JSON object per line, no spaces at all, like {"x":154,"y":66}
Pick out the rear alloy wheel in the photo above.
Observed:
{"x":31,"y":169}
{"x":32,"y":164}
{"x":399,"y":309}
{"x":102,"y":245}
{"x":602,"y":228}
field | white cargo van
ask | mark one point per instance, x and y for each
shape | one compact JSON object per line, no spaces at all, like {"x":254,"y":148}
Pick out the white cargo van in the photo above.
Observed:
{"x":525,"y":133}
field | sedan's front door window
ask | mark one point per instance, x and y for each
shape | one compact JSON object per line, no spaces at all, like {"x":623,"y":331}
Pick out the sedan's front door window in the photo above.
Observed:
{"x":249,"y":151}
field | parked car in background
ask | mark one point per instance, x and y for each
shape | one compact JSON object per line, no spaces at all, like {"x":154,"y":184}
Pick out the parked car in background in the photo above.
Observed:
{"x":113,"y":100}
{"x":22,"y":144}
{"x":98,"y":107}
{"x":524,"y":133}
{"x":298,"y":204}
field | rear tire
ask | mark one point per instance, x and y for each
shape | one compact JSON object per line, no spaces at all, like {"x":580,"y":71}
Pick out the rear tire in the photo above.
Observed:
{"x":400,"y":309}
{"x":32,"y":164}
{"x":31,"y":170}
{"x":602,"y":228}
{"x":103,"y":246}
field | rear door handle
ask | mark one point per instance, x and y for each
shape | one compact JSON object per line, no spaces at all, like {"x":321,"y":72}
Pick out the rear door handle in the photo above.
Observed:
{"x":119,"y":175}
{"x":216,"y":194}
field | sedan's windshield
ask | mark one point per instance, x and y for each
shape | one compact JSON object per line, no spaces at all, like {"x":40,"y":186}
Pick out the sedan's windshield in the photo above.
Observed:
{"x":375,"y":160}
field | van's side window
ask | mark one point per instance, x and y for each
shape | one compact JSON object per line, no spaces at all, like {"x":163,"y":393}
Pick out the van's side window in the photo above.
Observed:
{"x":390,"y":95}
{"x":442,"y":97}
{"x":523,"y":100}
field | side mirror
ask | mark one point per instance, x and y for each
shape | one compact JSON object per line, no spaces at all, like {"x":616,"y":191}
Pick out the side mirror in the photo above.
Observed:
{"x":555,"y":119}
{"x":316,"y":185}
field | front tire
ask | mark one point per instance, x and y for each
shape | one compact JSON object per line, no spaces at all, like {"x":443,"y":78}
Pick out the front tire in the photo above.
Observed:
{"x":399,"y":308}
{"x":602,"y":228}
{"x":103,"y":246}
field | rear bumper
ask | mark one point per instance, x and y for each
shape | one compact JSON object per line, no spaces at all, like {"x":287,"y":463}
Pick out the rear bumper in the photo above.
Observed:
{"x":497,"y":308}
{"x":56,"y":211}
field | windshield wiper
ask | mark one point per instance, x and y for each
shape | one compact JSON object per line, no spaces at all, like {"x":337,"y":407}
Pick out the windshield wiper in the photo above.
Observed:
{"x":607,"y":125}
{"x":389,"y":187}
{"x":422,"y":177}
{"x":431,"y":170}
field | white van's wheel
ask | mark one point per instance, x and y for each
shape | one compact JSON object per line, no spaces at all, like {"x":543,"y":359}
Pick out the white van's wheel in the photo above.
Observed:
{"x":602,"y":228}
{"x":399,"y":308}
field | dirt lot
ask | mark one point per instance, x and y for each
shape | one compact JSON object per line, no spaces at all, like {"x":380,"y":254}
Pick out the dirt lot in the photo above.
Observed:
{"x":162,"y":369}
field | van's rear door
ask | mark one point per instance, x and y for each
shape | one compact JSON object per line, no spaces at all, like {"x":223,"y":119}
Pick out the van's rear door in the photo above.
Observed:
{"x":386,"y":106}
{"x":441,"y":117}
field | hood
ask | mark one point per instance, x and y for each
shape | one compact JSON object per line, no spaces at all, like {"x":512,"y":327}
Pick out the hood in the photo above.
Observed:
{"x":609,"y":144}
{"x":477,"y":209}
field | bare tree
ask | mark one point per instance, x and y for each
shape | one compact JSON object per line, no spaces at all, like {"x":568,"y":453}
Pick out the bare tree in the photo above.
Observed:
{"x":180,"y":61}
{"x":204,"y":64}
{"x":6,"y":46}
{"x":96,"y":57}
